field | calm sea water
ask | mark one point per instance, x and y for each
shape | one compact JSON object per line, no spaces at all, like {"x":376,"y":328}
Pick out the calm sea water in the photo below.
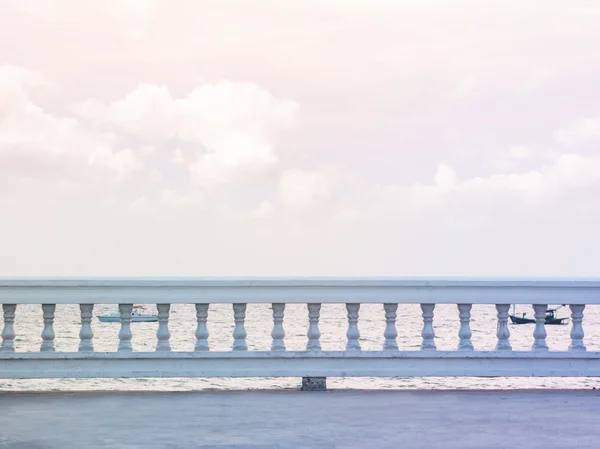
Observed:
{"x":333,"y":325}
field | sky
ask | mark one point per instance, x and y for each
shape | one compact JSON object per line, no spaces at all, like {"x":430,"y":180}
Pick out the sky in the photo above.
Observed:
{"x":299,"y":138}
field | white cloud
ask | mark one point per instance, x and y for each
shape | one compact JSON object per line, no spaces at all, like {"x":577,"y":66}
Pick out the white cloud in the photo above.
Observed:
{"x":225,"y":135}
{"x":580,"y":132}
{"x":303,"y":191}
{"x":327,"y":194}
{"x":232,"y":125}
{"x":445,"y":178}
{"x":237,"y":159}
{"x":39,"y":145}
{"x":15,"y":84}
{"x":565,"y":177}
{"x":148,"y":112}
{"x":264,"y":210}
{"x":167,"y":200}
{"x":330,"y":193}
{"x":228,"y":132}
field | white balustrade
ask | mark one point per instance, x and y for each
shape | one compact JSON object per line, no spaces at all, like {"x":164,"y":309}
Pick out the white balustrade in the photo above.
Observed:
{"x":202,"y":329}
{"x":48,"y":331}
{"x":278,"y":333}
{"x":162,"y":334}
{"x":125,"y":335}
{"x":239,"y":332}
{"x":86,"y":334}
{"x":577,"y":328}
{"x":353,"y":334}
{"x":464,"y":333}
{"x":391,"y":333}
{"x":8,"y":331}
{"x":428,"y":333}
{"x":539,"y":332}
{"x":312,"y":363}
{"x":502,"y":333}
{"x":313,"y":334}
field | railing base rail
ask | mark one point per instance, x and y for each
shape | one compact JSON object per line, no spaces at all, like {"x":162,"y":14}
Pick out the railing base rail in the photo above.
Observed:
{"x":299,"y":364}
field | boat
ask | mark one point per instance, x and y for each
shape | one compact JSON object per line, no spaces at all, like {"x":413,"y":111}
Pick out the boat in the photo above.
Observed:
{"x":551,"y":318}
{"x":136,"y":317}
{"x":520,"y":320}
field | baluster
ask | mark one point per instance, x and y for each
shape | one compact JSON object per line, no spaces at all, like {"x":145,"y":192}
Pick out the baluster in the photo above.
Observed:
{"x":390,"y":332}
{"x":464,"y":334}
{"x":162,"y":333}
{"x":502,"y":333}
{"x":239,"y":332}
{"x":48,"y":331}
{"x":125,"y":331}
{"x":313,"y":334}
{"x":539,"y":333}
{"x":202,"y":329}
{"x":278,"y":333}
{"x":353,"y":333}
{"x":428,"y":332}
{"x":8,"y":332}
{"x":86,"y":335}
{"x":577,"y":328}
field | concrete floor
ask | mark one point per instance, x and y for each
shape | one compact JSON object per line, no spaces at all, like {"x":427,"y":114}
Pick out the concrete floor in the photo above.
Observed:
{"x":293,"y":419}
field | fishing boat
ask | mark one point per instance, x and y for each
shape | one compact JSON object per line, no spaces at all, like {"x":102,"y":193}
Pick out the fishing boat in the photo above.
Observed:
{"x":551,"y":317}
{"x":136,"y":316}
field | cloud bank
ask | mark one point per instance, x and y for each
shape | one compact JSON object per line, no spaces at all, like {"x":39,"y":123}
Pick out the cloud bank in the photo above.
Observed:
{"x":398,"y":138}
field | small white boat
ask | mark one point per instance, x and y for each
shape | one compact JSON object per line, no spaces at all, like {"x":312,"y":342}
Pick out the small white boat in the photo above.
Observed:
{"x":136,"y":317}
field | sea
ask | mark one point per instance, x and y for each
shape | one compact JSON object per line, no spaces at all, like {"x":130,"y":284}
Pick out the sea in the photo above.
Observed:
{"x":333,"y":325}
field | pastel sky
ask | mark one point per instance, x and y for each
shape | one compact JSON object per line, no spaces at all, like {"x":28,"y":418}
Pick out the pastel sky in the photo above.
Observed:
{"x":292,"y":137}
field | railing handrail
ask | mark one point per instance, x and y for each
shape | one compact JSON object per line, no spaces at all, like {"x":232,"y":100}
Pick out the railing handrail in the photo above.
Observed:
{"x":434,"y":290}
{"x":320,"y":280}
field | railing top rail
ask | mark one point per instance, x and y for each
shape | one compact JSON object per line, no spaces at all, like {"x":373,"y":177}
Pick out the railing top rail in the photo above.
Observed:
{"x":149,"y":290}
{"x":314,"y":281}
